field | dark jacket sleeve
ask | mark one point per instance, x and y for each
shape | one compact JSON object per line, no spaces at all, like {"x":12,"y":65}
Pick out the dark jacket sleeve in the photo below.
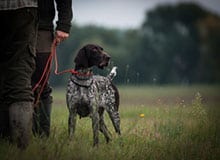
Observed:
{"x":65,"y":14}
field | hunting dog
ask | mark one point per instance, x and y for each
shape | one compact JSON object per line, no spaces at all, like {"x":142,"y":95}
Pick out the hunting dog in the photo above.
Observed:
{"x":90,"y":95}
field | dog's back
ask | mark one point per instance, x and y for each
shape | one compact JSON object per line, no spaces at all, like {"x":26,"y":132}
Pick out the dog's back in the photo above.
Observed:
{"x":107,"y":91}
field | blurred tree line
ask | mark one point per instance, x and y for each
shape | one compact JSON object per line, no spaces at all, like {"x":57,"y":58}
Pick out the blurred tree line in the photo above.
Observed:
{"x":176,"y":44}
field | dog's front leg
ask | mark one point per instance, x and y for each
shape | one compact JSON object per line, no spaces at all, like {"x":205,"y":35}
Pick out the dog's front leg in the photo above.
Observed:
{"x":95,"y":127}
{"x":72,"y":122}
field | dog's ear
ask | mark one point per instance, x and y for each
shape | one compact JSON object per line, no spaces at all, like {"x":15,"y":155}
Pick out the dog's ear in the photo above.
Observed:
{"x":81,"y":60}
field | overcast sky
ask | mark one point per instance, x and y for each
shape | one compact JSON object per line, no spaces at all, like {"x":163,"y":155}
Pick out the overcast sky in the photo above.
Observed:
{"x":123,"y":13}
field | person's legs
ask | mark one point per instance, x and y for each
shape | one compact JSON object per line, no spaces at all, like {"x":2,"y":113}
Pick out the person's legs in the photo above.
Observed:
{"x":42,"y":111}
{"x":41,"y":117}
{"x":17,"y":64}
{"x":42,"y":114}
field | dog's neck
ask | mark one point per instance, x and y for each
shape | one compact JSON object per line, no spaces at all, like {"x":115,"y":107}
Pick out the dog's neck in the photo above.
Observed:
{"x":83,"y":80}
{"x":84,"y":71}
{"x":82,"y":75}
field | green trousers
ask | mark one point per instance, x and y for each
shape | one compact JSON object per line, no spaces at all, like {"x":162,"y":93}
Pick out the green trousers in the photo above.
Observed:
{"x":18,"y":31}
{"x":17,"y":52}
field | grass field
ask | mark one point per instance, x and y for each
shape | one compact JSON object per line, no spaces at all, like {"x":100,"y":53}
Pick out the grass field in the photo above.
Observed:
{"x":157,"y":123}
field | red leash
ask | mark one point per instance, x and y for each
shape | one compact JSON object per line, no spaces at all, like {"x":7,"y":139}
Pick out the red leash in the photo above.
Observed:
{"x":45,"y":75}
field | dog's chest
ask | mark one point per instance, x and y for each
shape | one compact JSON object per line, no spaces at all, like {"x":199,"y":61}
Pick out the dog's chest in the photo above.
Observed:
{"x":81,"y":98}
{"x":81,"y":94}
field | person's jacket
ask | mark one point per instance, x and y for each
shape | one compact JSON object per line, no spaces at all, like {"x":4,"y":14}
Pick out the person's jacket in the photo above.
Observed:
{"x":46,"y":9}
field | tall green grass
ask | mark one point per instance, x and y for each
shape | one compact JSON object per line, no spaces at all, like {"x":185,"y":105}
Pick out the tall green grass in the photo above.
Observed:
{"x":177,"y":123}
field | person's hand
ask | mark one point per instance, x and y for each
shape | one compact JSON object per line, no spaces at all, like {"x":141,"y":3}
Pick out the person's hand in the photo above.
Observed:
{"x":61,"y":36}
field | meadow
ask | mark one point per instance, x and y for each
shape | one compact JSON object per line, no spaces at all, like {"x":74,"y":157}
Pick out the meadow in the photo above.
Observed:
{"x":157,"y":123}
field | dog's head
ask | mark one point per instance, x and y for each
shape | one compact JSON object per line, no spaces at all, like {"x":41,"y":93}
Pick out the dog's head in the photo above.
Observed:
{"x":91,"y":55}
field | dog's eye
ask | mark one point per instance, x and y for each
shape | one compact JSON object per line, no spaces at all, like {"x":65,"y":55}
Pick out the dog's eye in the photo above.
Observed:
{"x":97,"y":48}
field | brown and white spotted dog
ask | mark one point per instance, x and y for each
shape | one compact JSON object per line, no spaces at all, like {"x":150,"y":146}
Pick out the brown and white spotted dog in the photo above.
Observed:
{"x":90,"y":95}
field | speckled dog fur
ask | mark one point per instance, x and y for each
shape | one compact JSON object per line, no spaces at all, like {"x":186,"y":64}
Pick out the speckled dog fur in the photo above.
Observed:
{"x":90,"y":95}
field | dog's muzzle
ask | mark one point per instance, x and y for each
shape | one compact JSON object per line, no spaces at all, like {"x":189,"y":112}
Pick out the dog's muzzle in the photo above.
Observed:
{"x":105,"y":61}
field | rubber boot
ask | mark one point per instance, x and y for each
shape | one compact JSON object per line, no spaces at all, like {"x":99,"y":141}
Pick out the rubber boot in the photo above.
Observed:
{"x":41,"y":118}
{"x":20,"y":120}
{"x":4,"y":121}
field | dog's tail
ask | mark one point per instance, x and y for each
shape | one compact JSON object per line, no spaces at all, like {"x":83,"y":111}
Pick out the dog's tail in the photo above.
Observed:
{"x":113,"y":73}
